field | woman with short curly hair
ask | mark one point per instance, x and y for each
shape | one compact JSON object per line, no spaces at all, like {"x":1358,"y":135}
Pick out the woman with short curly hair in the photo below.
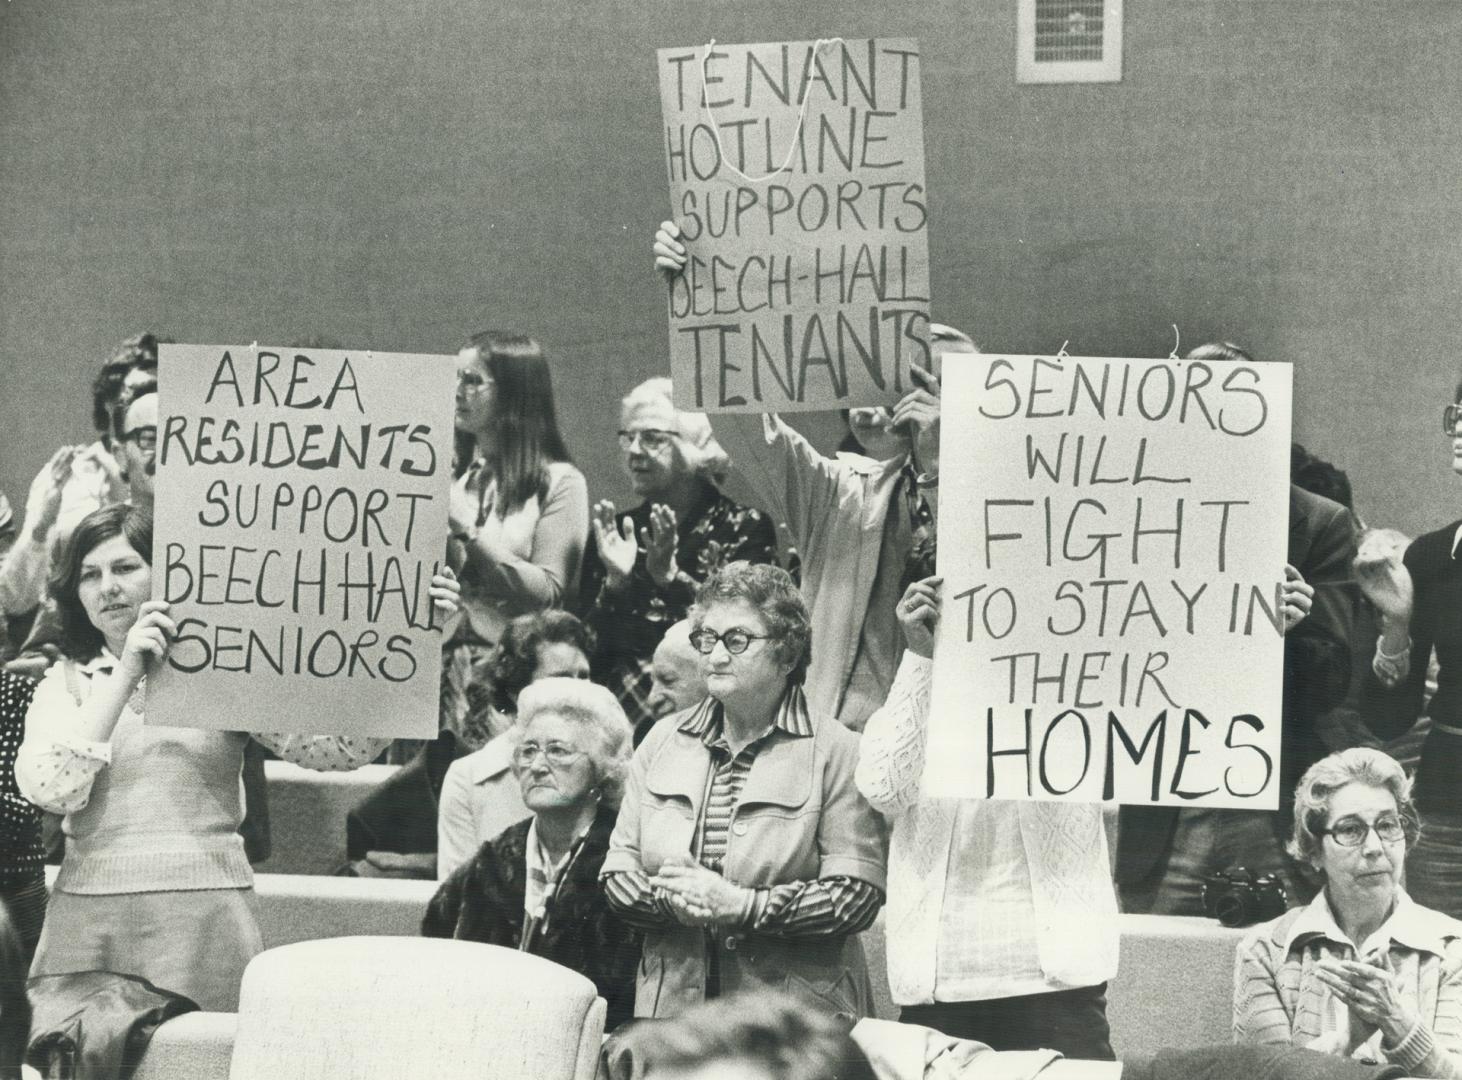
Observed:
{"x":743,"y":848}
{"x":535,"y":886}
{"x":1363,"y":971}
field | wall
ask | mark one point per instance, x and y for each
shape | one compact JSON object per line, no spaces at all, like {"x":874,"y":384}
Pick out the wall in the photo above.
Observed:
{"x":396,"y":175}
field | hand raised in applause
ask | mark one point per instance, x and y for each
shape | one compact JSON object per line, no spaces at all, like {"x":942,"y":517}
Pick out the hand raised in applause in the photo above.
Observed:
{"x":616,"y":543}
{"x":660,"y":541}
{"x":43,"y":502}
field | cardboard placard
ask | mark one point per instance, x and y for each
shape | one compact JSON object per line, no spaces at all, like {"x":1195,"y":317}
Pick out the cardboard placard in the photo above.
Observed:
{"x":797,"y":179}
{"x":1112,"y":538}
{"x":301,"y":510}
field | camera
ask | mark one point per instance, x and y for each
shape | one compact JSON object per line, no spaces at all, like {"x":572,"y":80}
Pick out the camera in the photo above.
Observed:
{"x":1240,"y":897}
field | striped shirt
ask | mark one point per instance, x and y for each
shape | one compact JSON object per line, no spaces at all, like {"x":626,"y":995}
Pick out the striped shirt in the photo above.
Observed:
{"x":830,"y":906}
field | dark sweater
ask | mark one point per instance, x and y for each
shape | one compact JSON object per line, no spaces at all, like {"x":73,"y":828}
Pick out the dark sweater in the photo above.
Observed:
{"x":1436,"y":621}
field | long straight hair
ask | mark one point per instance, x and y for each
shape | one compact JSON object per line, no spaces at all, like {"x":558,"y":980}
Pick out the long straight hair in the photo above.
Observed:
{"x":528,"y":438}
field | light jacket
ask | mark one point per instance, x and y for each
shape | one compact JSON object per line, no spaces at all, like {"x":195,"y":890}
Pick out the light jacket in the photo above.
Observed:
{"x":800,"y":817}
{"x":835,"y":509}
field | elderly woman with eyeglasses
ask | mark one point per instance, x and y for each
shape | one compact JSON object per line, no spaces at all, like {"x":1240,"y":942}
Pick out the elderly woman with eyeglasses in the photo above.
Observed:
{"x":645,"y":563}
{"x":743,"y":848}
{"x":1363,"y":971}
{"x":535,"y":886}
{"x":1418,"y":592}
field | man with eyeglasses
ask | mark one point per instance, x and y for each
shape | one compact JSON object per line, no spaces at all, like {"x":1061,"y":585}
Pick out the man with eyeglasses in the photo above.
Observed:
{"x":136,"y":443}
{"x":74,"y":482}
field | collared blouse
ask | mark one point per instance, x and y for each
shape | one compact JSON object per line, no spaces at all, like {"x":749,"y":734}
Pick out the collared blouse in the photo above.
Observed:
{"x":1278,"y":998}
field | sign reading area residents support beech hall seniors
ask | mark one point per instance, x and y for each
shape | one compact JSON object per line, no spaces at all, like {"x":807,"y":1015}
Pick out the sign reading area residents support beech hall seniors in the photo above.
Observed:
{"x":1112,"y":538}
{"x":797,"y":180}
{"x":301,"y":510}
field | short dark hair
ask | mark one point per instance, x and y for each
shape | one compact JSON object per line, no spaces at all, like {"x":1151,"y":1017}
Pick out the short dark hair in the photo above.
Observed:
{"x":770,"y":590}
{"x":1319,"y":477}
{"x":139,"y":351}
{"x":785,"y":1037}
{"x":79,"y":638}
{"x":517,"y":651}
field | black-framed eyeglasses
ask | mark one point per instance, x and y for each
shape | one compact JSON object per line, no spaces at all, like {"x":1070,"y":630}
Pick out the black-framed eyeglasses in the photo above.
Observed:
{"x":1450,"y":417}
{"x":144,"y":437}
{"x":557,"y":755}
{"x":651,"y":440}
{"x":736,"y":640}
{"x":1351,"y":832}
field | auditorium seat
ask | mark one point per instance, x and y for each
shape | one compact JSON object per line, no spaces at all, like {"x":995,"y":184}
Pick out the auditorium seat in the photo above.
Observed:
{"x":307,"y":814}
{"x":358,"y":1008}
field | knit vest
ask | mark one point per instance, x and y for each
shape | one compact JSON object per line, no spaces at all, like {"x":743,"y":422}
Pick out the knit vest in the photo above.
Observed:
{"x":164,"y":816}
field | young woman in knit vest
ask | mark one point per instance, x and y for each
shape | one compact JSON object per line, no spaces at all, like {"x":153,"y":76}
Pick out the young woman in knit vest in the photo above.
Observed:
{"x":155,"y":882}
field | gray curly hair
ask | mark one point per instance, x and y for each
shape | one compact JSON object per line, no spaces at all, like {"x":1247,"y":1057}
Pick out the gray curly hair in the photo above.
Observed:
{"x":1358,"y":765}
{"x":594,"y":709}
{"x":697,"y":445}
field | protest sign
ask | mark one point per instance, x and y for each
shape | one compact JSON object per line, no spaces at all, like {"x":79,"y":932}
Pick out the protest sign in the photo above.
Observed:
{"x":1112,"y":540}
{"x":797,"y":180}
{"x":301,"y":512}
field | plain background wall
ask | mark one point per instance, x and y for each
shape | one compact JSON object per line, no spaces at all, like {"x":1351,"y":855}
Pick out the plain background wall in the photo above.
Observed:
{"x":397,"y":175}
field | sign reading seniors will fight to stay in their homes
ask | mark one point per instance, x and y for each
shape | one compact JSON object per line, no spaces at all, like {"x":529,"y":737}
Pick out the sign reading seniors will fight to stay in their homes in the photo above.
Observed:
{"x":301,"y":512}
{"x":1112,"y":539}
{"x":797,"y":180}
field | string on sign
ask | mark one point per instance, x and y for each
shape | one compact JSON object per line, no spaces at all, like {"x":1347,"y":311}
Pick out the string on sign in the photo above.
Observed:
{"x":796,"y":132}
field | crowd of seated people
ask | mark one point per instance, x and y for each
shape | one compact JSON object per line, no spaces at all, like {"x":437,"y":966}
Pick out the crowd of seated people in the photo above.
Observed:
{"x":670,"y":765}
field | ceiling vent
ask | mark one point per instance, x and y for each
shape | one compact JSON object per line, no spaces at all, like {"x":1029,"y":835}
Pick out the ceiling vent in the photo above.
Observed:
{"x":1065,"y":41}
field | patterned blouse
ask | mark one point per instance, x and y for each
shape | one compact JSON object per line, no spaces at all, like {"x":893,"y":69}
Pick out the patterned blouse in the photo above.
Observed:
{"x":630,"y":622}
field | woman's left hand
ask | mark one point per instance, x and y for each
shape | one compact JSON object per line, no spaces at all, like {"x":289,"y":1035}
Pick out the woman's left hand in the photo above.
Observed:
{"x":691,"y":887}
{"x":1296,"y":598}
{"x":446,"y":592}
{"x":1370,"y":992}
{"x":660,"y":541}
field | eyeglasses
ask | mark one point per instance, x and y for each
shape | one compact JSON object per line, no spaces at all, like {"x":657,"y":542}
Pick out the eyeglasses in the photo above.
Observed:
{"x":652,"y":440}
{"x":557,"y":755}
{"x":1351,"y":832}
{"x":473,"y":382}
{"x":144,"y":437}
{"x":1451,"y":415}
{"x":736,"y":640}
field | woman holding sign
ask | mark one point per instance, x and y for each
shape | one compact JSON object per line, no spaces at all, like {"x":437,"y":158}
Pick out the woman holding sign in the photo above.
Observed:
{"x":518,"y":515}
{"x":155,"y":882}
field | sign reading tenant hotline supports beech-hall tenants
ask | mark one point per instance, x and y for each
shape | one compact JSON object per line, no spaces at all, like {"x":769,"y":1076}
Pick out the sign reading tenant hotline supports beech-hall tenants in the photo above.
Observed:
{"x":1112,"y":539}
{"x":301,"y":512}
{"x":797,"y":180}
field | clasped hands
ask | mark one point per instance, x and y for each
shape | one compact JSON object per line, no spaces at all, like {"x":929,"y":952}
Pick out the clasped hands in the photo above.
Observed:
{"x":697,"y":896}
{"x":1370,"y":992}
